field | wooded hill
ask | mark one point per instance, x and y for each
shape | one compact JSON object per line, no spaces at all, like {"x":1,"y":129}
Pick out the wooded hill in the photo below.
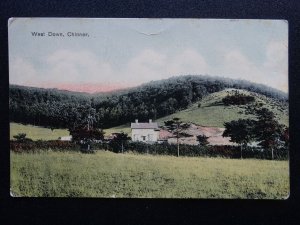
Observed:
{"x":64,"y":109}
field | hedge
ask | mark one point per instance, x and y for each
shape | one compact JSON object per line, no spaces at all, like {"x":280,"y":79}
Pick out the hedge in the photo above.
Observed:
{"x":226,"y":151}
{"x":56,"y":145}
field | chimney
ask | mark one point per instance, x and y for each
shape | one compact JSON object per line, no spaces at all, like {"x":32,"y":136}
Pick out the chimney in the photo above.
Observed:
{"x":150,"y":120}
{"x":136,"y":121}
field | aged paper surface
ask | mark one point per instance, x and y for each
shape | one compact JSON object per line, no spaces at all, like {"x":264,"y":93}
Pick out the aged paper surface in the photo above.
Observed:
{"x":149,"y":108}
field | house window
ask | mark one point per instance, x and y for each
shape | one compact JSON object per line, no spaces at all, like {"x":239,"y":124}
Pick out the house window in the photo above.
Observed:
{"x":150,"y":137}
{"x":144,"y":138}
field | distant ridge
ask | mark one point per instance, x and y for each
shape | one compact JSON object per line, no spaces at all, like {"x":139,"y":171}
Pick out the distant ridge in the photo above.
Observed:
{"x":170,"y":79}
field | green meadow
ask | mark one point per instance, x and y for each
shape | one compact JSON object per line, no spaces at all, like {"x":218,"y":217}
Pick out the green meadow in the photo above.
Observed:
{"x":36,"y":132}
{"x":110,"y":175}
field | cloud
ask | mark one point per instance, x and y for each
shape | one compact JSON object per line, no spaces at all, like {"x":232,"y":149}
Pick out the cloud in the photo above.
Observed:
{"x":76,"y":67}
{"x":276,"y":63}
{"x":273,"y":71}
{"x":152,"y":65}
{"x":188,"y":62}
{"x":22,"y":72}
{"x":238,"y":66}
{"x":79,"y":70}
{"x":147,"y":65}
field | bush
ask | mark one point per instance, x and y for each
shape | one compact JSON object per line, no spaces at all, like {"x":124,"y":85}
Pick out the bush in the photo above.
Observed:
{"x":237,"y":99}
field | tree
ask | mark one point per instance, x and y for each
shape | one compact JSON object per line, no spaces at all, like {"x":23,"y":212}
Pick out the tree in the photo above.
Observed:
{"x":268,"y":131}
{"x":177,"y":128}
{"x":85,"y":136}
{"x":240,"y":131}
{"x":237,"y":99}
{"x":119,"y":140}
{"x":21,"y":137}
{"x":285,"y":137}
{"x":202,"y":139}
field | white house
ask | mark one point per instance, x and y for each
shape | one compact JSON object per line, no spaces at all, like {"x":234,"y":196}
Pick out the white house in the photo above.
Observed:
{"x":144,"y":132}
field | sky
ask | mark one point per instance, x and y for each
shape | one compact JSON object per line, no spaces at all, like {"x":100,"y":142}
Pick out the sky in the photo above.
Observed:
{"x":121,"y":53}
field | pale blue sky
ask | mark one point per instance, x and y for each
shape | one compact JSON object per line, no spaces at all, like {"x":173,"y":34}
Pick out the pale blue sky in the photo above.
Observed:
{"x":128,"y":52}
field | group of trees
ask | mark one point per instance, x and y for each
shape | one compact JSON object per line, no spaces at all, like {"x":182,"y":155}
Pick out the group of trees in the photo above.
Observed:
{"x":265,"y":130}
{"x":62,"y":109}
{"x":237,"y":99}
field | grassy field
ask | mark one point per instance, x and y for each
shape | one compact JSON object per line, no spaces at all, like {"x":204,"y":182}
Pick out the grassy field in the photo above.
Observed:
{"x":42,"y":133}
{"x":106,"y":174}
{"x":122,"y":128}
{"x":37,"y":133}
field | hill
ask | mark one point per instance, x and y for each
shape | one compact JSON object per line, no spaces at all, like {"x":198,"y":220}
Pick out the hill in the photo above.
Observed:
{"x":210,"y":111}
{"x":61,"y":109}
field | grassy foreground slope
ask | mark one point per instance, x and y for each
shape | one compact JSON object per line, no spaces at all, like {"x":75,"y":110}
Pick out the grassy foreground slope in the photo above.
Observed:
{"x":106,"y":174}
{"x":210,"y":111}
{"x":36,"y":132}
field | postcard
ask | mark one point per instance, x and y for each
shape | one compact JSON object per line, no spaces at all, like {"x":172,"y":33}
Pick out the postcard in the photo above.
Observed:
{"x":149,"y":108}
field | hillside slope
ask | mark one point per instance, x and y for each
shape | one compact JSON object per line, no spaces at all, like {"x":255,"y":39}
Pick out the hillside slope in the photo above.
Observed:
{"x":210,"y":111}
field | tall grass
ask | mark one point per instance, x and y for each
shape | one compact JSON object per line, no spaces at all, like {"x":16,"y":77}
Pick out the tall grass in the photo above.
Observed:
{"x":106,"y":174}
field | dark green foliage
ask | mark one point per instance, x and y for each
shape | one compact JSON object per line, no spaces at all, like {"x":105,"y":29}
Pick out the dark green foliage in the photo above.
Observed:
{"x":84,"y":134}
{"x":202,"y":139}
{"x":240,"y":131}
{"x":197,"y":150}
{"x":270,"y":134}
{"x":237,"y":99}
{"x":154,"y":149}
{"x":120,"y":142}
{"x":85,"y":137}
{"x":21,"y":137}
{"x":62,"y":109}
{"x":55,"y":145}
{"x":265,"y":130}
{"x":178,"y":129}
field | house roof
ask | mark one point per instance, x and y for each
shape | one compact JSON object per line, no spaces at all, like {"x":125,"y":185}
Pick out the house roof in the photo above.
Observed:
{"x":152,"y":125}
